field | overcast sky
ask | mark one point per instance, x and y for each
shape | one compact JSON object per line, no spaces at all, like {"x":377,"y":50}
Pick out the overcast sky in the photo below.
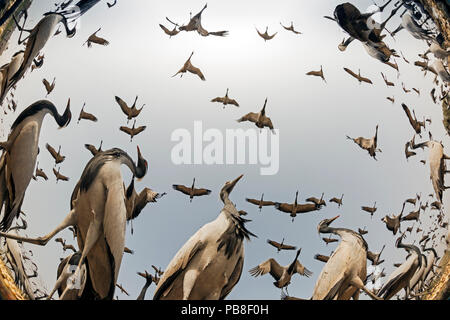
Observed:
{"x":313,"y":119}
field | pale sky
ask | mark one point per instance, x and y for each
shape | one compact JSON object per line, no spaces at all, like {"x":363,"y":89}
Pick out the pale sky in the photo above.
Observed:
{"x":313,"y":119}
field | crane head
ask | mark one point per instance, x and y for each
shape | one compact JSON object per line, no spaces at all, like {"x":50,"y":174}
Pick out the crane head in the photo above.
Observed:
{"x":229,"y":186}
{"x":324,"y":224}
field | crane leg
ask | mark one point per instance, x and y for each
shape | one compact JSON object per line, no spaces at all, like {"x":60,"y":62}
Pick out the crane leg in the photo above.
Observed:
{"x":69,"y":220}
{"x":358,"y":283}
{"x":62,"y":277}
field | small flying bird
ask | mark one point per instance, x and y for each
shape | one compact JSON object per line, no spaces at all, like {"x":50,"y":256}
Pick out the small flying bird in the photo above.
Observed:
{"x":412,"y":119}
{"x":265,"y":35}
{"x":170,"y":33}
{"x":40,"y":173}
{"x":413,"y":215}
{"x":148,"y":281}
{"x":259,"y":119}
{"x":281,"y":274}
{"x":393,"y":223}
{"x":133,"y":131}
{"x":404,"y":88}
{"x":191,"y":192}
{"x":291,"y":28}
{"x":158,"y":271}
{"x":407,"y":152}
{"x":391,"y":99}
{"x":417,"y":91}
{"x":358,"y":76}
{"x":319,"y":202}
{"x":337,"y":200}
{"x":59,"y":176}
{"x":195,"y":24}
{"x":317,"y":74}
{"x":433,"y":96}
{"x":329,"y":240}
{"x":362,"y":231}
{"x":225,"y":100}
{"x":388,"y":83}
{"x":69,"y":247}
{"x":280,"y":246}
{"x":260,"y":203}
{"x":86,"y":115}
{"x":189,"y":67}
{"x":370,"y":145}
{"x":49,"y":87}
{"x":56,"y":155}
{"x":122,"y":289}
{"x":130,"y":112}
{"x":93,"y":38}
{"x":404,"y":57}
{"x":294,"y":208}
{"x":93,"y":149}
{"x":110,"y":5}
{"x":370,"y":210}
{"x":322,"y":258}
{"x":375,"y":257}
{"x":128,"y":250}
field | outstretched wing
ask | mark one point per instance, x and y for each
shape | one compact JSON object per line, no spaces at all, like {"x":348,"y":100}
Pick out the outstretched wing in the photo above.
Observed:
{"x":300,"y":269}
{"x":285,"y":207}
{"x":182,"y":188}
{"x":196,"y":71}
{"x":52,"y":151}
{"x":252,"y":117}
{"x":201,"y":192}
{"x":267,"y":122}
{"x":270,"y":266}
{"x":123,"y":106}
{"x":351,"y":73}
{"x":218,"y":99}
{"x":274,"y":243}
{"x":126,"y":130}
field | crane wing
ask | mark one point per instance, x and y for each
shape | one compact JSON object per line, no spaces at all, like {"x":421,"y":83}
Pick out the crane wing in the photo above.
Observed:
{"x":351,"y":73}
{"x":274,"y":243}
{"x":300,"y":269}
{"x":218,"y":99}
{"x":181,"y":188}
{"x":270,"y":266}
{"x":196,"y":71}
{"x":123,"y":106}
{"x":126,"y":130}
{"x":267,"y":122}
{"x":201,"y":192}
{"x":52,"y":151}
{"x":252,"y":117}
{"x":285,"y":207}
{"x":138,"y":130}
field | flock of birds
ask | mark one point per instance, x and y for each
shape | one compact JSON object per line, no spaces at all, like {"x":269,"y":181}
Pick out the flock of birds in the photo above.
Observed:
{"x":210,"y":263}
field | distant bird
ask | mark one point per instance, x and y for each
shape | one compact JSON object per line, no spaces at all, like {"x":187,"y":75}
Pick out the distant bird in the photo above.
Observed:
{"x":40,"y":173}
{"x":404,"y":88}
{"x":191,"y":192}
{"x":316,"y":201}
{"x":393,"y":223}
{"x":195,"y":24}
{"x":329,"y":240}
{"x":259,"y":119}
{"x":362,"y":231}
{"x":388,"y":83}
{"x":432,"y":94}
{"x":370,"y":210}
{"x":294,"y":208}
{"x":216,"y":249}
{"x":415,"y":124}
{"x":407,"y":152}
{"x":122,"y":289}
{"x":56,"y":155}
{"x":225,"y":100}
{"x":49,"y":87}
{"x":317,"y":74}
{"x":133,"y":131}
{"x":110,"y":5}
{"x":413,"y":215}
{"x":188,"y":66}
{"x":265,"y":35}
{"x":158,"y":271}
{"x":291,"y":28}
{"x":93,"y":149}
{"x":260,"y":203}
{"x":128,"y":250}
{"x":130,"y":112}
{"x":342,"y":276}
{"x":322,"y":258}
{"x":338,"y":201}
{"x":391,"y":99}
{"x":281,"y":274}
{"x":417,"y":91}
{"x":170,"y":33}
{"x":93,"y":38}
{"x":375,"y":257}
{"x":404,"y":57}
{"x":358,"y":76}
{"x":368,"y":144}
{"x":86,"y":115}
{"x":59,"y":176}
{"x":280,"y":246}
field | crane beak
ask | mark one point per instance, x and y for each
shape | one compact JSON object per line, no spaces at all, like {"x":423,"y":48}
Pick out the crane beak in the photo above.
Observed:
{"x":332,"y":219}
{"x":233,"y":183}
